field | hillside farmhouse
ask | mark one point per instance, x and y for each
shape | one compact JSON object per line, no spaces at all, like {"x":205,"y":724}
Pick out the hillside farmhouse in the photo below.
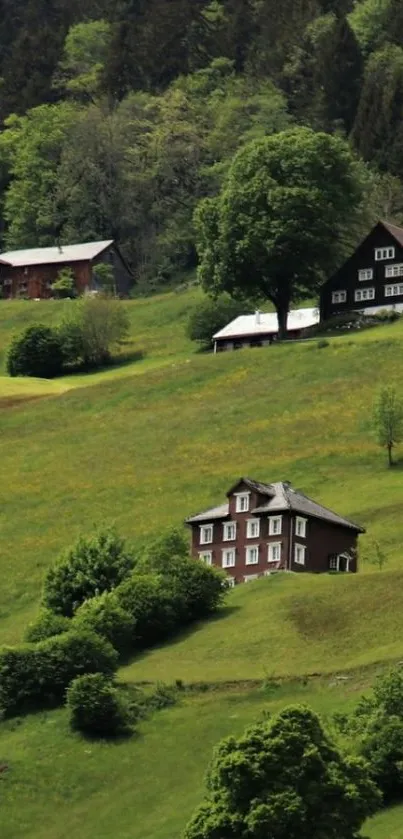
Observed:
{"x":30,"y":273}
{"x":263,"y":528}
{"x":371,"y":279}
{"x":261,"y":329}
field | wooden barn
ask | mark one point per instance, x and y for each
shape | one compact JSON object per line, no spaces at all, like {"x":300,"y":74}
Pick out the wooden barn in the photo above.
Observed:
{"x":30,"y":273}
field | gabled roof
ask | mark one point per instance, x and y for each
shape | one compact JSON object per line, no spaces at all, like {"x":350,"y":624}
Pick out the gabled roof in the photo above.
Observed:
{"x":65,"y":253}
{"x":266,"y":323}
{"x":282,"y":497}
{"x":257,"y":486}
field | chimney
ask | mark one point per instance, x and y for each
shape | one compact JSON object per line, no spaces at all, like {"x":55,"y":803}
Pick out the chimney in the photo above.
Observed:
{"x":257,"y":316}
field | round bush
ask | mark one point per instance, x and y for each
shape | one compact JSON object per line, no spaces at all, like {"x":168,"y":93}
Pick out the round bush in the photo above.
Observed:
{"x":105,"y":616}
{"x":37,"y":352}
{"x":91,"y":567}
{"x":96,"y":706}
{"x":383,"y":749}
{"x":146,"y":598}
{"x":46,"y":625}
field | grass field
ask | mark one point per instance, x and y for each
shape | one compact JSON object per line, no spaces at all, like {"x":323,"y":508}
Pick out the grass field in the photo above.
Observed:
{"x":143,"y":445}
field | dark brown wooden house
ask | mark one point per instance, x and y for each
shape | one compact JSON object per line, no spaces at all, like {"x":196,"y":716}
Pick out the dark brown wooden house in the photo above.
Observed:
{"x":263,"y":528}
{"x":30,"y":273}
{"x":371,"y":279}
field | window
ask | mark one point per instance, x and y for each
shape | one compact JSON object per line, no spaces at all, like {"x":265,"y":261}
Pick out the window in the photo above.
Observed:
{"x":384,"y":253}
{"x":253,"y":528}
{"x":364,"y":294}
{"x":206,"y":534}
{"x":274,"y":525}
{"x":248,"y":578}
{"x":229,"y":531}
{"x":366,"y":274}
{"x":274,"y":552}
{"x":252,"y":555}
{"x":394,"y":271}
{"x":300,"y":527}
{"x":393,"y":290}
{"x":339,"y":296}
{"x":228,"y":558}
{"x":333,"y":562}
{"x":242,"y":502}
{"x":299,"y":554}
{"x":207,"y":557}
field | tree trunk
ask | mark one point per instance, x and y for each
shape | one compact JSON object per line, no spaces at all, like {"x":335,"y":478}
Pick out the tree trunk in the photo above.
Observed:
{"x":282,"y":314}
{"x":390,"y":459}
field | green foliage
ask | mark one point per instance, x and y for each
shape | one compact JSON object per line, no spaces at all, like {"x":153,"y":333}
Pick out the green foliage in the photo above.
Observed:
{"x":104,"y":276}
{"x":211,"y":316}
{"x":104,"y":615}
{"x":91,"y":567}
{"x":37,"y":676}
{"x":85,"y":51}
{"x":37,"y":352}
{"x":146,"y":599}
{"x":64,"y":286}
{"x":388,"y":419}
{"x":46,"y":625}
{"x":284,"y":778}
{"x":368,"y":20}
{"x":383,"y":749}
{"x":96,"y":707}
{"x":276,"y":191}
{"x":92,"y":329}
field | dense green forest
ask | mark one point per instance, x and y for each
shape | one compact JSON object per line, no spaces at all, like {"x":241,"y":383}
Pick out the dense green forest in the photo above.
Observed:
{"x":119,"y":115}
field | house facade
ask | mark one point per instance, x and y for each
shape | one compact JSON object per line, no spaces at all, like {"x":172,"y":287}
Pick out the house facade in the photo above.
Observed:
{"x":30,"y":273}
{"x":261,"y":329}
{"x":371,"y":279}
{"x":263,"y":528}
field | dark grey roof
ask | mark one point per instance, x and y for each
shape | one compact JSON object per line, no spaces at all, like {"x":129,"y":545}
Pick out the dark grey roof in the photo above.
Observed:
{"x":282,"y":497}
{"x":287,"y":498}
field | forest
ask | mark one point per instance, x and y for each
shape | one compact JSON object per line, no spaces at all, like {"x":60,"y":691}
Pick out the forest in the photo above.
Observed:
{"x":118,"y":116}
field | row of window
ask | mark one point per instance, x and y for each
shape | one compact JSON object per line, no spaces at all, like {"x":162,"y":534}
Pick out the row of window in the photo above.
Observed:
{"x":361,"y":294}
{"x":395,"y":270}
{"x":252,"y":529}
{"x":252,"y":555}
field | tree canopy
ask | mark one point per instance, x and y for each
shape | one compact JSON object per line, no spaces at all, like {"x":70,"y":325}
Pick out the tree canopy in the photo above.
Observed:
{"x":283,"y":220}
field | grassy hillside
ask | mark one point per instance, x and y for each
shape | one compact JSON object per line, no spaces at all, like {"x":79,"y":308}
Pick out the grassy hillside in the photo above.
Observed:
{"x":144,"y":445}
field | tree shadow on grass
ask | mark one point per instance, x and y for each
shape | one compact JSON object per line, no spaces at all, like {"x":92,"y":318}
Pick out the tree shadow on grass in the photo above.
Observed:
{"x":122,"y":359}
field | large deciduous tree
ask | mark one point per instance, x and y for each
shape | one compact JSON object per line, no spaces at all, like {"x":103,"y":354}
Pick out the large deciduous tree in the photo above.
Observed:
{"x":283,"y":220}
{"x":284,"y":779}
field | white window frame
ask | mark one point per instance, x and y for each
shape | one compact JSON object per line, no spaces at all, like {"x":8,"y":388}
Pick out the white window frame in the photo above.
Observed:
{"x":365,"y":274}
{"x":339,"y":296}
{"x":242,"y":502}
{"x":273,"y":531}
{"x":228,"y":558}
{"x":271,"y":548}
{"x":394,"y":270}
{"x":206,"y":556}
{"x":334,"y":562}
{"x":298,"y":550}
{"x":384,"y":253}
{"x":203,"y":529}
{"x":249,"y":578}
{"x":394,"y":290}
{"x":248,"y":553}
{"x":228,"y":526}
{"x":250,"y":527}
{"x":362,"y":294}
{"x":300,"y":527}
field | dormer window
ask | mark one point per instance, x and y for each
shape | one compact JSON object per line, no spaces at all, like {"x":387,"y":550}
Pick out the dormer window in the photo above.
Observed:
{"x":384,"y":253}
{"x":242,"y":502}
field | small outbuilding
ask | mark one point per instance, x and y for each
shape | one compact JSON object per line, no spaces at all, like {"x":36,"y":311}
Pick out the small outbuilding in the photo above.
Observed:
{"x":261,"y":329}
{"x":30,"y":273}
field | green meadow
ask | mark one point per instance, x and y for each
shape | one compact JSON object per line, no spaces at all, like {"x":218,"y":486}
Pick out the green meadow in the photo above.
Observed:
{"x":143,"y":445}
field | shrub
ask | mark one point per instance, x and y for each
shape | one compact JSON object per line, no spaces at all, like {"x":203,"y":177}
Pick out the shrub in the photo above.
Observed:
{"x":46,"y":625}
{"x":37,"y":676}
{"x":105,"y":616}
{"x":211,"y":316}
{"x":146,"y":599}
{"x":37,"y":352}
{"x":388,"y":693}
{"x":64,"y":286}
{"x":383,"y":749}
{"x":96,"y":707}
{"x":95,"y":325}
{"x":91,"y":567}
